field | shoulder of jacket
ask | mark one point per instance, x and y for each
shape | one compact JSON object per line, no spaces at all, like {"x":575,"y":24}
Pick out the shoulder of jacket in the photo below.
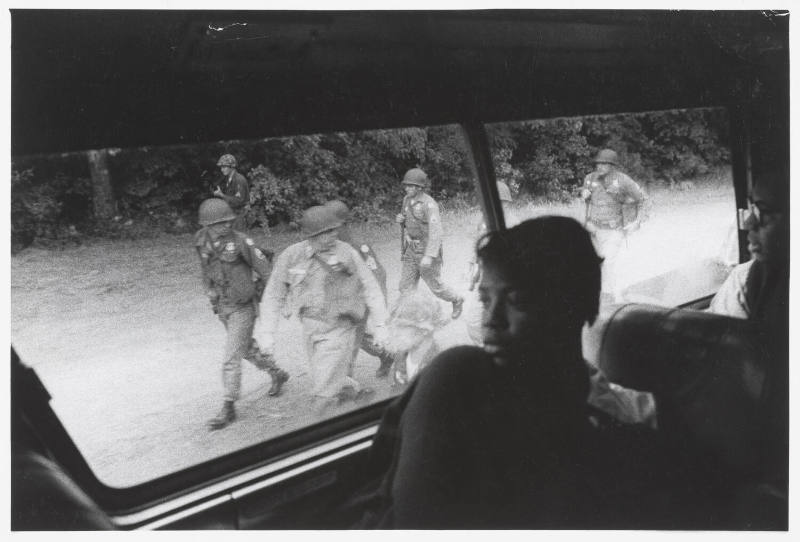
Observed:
{"x":345,"y":249}
{"x":622,"y":176}
{"x":429,"y":202}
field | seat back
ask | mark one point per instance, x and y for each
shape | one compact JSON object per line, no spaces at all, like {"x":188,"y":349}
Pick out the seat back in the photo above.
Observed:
{"x":707,"y":372}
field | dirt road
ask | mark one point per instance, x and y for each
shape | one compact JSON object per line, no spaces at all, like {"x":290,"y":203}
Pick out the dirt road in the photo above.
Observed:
{"x":124,"y":339}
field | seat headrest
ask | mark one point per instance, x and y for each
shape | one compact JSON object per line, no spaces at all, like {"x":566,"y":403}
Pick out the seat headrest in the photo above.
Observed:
{"x":706,"y":370}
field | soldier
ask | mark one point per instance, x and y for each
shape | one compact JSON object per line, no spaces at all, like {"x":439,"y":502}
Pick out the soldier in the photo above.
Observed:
{"x":609,"y":194}
{"x":421,"y":241}
{"x":236,"y":192}
{"x":228,"y":259}
{"x":330,"y":288}
{"x":364,"y":340}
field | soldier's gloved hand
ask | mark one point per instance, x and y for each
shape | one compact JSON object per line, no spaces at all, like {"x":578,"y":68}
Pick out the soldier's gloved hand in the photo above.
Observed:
{"x":426,"y":261}
{"x":217,"y":192}
{"x":400,"y":218}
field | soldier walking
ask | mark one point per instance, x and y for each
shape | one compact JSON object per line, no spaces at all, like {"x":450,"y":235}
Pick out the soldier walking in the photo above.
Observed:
{"x":421,"y":241}
{"x":228,"y":259}
{"x":364,"y":341}
{"x":329,"y":286}
{"x":235,"y":191}
{"x":609,"y":194}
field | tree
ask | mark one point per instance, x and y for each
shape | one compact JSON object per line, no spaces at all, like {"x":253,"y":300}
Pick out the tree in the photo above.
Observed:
{"x":102,"y":192}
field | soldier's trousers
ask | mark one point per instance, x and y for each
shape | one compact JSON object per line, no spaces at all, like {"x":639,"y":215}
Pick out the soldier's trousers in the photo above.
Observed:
{"x":608,"y":244}
{"x":330,"y":347}
{"x":366,"y":342}
{"x":239,"y":344}
{"x":411,"y":272}
{"x":474,"y":317}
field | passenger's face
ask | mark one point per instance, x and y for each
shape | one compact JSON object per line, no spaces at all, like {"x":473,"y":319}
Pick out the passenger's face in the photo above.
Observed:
{"x":767,"y":237}
{"x":511,"y":318}
{"x":324,"y":241}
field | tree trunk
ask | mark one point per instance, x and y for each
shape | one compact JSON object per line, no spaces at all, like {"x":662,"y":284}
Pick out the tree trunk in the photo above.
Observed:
{"x":102,"y":194}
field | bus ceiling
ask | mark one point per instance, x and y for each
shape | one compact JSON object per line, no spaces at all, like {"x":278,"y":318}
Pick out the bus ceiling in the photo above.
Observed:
{"x":97,"y":79}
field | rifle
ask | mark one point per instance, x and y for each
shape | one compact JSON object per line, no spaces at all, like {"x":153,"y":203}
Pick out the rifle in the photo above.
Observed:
{"x":586,"y":213}
{"x":403,"y":242}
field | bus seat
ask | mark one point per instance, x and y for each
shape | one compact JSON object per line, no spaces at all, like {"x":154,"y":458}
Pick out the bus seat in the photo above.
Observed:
{"x":706,"y":372}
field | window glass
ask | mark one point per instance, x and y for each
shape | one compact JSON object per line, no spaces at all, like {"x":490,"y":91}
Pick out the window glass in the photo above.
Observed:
{"x":654,"y":188}
{"x":109,"y":308}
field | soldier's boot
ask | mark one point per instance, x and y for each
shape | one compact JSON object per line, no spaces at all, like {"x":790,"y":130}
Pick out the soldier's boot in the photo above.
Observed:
{"x":386,"y":363}
{"x":279,"y":378}
{"x":225,"y":417}
{"x":458,"y":307}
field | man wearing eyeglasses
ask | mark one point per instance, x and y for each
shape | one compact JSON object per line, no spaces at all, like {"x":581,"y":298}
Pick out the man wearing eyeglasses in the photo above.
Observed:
{"x":752,"y":288}
{"x":758,"y":290}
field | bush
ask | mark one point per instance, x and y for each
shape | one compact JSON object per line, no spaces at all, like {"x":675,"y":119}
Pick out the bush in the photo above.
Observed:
{"x":543,"y":160}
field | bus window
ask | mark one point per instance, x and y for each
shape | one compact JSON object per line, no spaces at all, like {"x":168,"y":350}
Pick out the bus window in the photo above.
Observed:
{"x":112,"y":314}
{"x":655,"y":189}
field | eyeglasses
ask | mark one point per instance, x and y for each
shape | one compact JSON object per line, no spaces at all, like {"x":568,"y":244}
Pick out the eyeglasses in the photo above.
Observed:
{"x":762,"y":217}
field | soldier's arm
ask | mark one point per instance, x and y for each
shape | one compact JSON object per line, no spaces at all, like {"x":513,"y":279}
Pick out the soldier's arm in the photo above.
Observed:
{"x":199,"y":240}
{"x":372,"y":290}
{"x":260,"y":262}
{"x":633,"y":194}
{"x":632,"y":191}
{"x":275,"y":293}
{"x":586,"y":192}
{"x":434,"y":229}
{"x":241,"y":193}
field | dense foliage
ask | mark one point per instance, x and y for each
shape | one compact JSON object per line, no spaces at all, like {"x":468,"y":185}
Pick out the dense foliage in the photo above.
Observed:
{"x":159,"y":188}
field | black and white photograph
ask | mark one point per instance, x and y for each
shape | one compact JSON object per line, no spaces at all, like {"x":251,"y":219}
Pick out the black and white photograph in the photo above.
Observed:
{"x":472,"y":268}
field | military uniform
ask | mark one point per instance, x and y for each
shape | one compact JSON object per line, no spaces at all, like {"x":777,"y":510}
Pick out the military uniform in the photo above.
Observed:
{"x":365,"y":341}
{"x":236,"y":193}
{"x":610,"y":197}
{"x":331,"y":292}
{"x":423,"y":237}
{"x":227,"y":267}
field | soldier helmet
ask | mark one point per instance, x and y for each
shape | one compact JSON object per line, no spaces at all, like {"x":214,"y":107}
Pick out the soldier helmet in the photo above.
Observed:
{"x":226,"y":160}
{"x":607,"y":156}
{"x":319,"y":219}
{"x":215,"y":210}
{"x":503,"y":191}
{"x":416,"y":177}
{"x":340,"y":209}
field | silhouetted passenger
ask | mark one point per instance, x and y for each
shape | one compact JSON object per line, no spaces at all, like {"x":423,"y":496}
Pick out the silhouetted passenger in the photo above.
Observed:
{"x":503,"y":436}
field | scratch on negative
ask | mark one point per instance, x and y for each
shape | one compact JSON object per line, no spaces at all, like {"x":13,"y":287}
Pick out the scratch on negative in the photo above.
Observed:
{"x":225,"y":27}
